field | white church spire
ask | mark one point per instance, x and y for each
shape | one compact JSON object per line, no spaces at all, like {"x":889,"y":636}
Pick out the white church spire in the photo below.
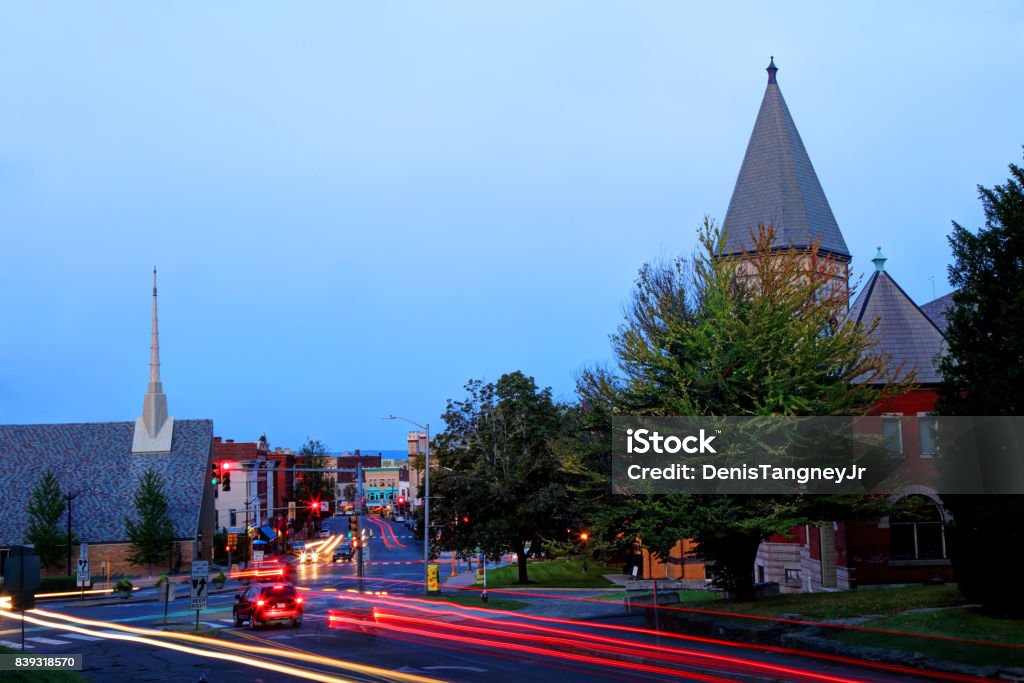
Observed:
{"x":153,"y":429}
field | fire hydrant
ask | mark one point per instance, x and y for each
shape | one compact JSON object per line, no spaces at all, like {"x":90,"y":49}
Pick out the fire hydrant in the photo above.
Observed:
{"x":483,"y":597}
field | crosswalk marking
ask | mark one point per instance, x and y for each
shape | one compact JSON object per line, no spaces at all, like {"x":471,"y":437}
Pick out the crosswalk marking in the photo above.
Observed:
{"x":81,"y":636}
{"x":15,"y":646}
{"x":47,"y":641}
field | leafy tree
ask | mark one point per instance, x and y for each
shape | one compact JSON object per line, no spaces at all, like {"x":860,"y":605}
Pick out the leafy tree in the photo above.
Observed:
{"x":498,"y":484}
{"x":983,"y":374}
{"x":313,"y":486}
{"x":152,"y":534}
{"x":46,"y":510}
{"x":721,"y":337}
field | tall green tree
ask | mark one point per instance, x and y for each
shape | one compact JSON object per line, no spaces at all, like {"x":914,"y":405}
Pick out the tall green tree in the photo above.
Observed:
{"x":498,"y":484}
{"x":721,"y":337}
{"x":46,"y":510}
{"x":151,"y":533}
{"x":313,"y":487}
{"x":983,"y":374}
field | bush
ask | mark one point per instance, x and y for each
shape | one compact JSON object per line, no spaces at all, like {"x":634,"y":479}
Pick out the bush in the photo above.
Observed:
{"x":220,"y":578}
{"x":124,"y":585}
{"x":57,"y":584}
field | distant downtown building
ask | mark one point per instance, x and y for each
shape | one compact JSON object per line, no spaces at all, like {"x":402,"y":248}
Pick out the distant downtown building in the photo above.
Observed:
{"x":99,"y":466}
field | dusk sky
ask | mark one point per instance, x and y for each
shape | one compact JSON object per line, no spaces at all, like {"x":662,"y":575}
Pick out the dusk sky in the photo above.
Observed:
{"x":356,"y":207}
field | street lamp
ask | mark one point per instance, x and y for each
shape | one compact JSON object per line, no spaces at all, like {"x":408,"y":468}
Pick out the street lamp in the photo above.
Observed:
{"x":70,"y":497}
{"x":426,"y":499}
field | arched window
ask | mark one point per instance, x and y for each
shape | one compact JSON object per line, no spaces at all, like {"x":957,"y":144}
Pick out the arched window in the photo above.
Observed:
{"x":916,"y":531}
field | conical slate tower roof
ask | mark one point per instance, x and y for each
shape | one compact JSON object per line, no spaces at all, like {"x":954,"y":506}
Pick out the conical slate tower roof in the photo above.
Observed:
{"x":903,"y":330}
{"x":777,"y":185}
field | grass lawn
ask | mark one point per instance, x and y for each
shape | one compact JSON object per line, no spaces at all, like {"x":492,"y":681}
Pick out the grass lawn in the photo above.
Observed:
{"x":472,"y":599}
{"x":844,"y":604}
{"x":38,"y":676}
{"x":958,"y":622}
{"x":557,"y":573}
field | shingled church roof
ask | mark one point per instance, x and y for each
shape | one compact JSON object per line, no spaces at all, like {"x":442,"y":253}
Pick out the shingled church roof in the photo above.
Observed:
{"x":777,"y":185}
{"x":903,"y":331}
{"x":96,"y":461}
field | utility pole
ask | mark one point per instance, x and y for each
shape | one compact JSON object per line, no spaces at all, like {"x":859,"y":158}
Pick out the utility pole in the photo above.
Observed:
{"x":359,"y":526}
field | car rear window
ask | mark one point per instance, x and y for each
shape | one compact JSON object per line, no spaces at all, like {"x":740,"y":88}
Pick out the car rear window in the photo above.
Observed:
{"x":279,"y":591}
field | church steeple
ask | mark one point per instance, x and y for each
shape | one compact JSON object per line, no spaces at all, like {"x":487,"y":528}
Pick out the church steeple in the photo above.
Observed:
{"x":153,"y":430}
{"x":777,"y":186}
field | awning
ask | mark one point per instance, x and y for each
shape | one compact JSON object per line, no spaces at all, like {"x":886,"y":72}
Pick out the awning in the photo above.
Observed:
{"x":259,"y":542}
{"x":268,"y":531}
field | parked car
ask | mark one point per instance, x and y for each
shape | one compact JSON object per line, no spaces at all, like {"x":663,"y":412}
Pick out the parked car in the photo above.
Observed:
{"x":399,"y":518}
{"x":265,"y":603}
{"x":324,"y":533}
{"x":343,"y":552}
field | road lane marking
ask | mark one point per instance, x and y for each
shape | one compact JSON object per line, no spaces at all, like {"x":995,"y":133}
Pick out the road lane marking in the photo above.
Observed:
{"x":15,"y":646}
{"x":48,"y":641}
{"x":81,"y":636}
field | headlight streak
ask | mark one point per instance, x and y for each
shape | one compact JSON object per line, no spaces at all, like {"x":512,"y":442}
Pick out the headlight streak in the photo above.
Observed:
{"x":733,"y":615}
{"x":385,"y":529}
{"x":520,"y":648}
{"x":488,"y":616}
{"x":686,"y":658}
{"x":387,"y":674}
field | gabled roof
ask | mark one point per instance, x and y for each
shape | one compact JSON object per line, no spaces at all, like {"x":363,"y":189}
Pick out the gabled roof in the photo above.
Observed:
{"x":96,"y":460}
{"x":777,"y":185}
{"x":903,"y":330}
{"x":936,"y":310}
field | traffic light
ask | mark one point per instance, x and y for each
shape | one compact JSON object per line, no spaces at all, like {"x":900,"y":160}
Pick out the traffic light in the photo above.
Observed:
{"x":353,"y":524}
{"x":291,"y":511}
{"x":214,"y":473}
{"x":225,"y":476}
{"x":465,"y":519}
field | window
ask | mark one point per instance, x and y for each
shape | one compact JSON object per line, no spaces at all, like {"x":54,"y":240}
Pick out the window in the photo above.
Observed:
{"x":892,"y":434}
{"x":928,"y":427}
{"x":234,"y":518}
{"x":916,"y":531}
{"x":793,"y":576}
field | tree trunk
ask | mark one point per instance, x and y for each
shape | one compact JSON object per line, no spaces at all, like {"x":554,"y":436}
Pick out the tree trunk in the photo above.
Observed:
{"x":521,"y":555}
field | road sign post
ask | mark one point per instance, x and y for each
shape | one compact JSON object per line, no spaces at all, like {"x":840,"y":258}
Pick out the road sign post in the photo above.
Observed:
{"x":200,"y":575}
{"x":83,"y":567}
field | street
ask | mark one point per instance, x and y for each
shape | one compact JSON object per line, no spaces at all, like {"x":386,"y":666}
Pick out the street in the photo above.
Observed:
{"x":405,"y":637}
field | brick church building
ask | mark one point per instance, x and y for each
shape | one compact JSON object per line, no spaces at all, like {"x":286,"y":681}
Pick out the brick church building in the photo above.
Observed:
{"x":99,"y":466}
{"x":777,"y":186}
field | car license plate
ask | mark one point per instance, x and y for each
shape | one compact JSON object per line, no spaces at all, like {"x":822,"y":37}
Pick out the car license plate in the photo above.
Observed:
{"x":280,"y":605}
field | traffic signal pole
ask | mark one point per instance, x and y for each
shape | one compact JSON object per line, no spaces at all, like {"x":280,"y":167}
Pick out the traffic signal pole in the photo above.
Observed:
{"x":359,"y":537}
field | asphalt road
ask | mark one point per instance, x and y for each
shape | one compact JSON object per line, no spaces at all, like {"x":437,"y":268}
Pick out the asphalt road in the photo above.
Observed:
{"x":409,"y":636}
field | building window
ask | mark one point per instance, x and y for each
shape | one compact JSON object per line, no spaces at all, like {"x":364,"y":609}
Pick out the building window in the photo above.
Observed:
{"x":928,"y":427}
{"x":793,"y":576}
{"x":234,"y":519}
{"x":916,"y":531}
{"x":892,"y":434}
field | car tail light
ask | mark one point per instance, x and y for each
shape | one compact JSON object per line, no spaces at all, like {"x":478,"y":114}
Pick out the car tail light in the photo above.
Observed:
{"x":259,"y":603}
{"x":298,"y":600}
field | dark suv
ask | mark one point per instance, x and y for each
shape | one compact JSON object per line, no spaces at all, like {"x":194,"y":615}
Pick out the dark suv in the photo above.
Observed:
{"x":343,"y":552}
{"x":264,"y":603}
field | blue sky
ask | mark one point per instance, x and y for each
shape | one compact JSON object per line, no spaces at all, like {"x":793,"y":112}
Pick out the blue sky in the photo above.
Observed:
{"x":355,"y":208}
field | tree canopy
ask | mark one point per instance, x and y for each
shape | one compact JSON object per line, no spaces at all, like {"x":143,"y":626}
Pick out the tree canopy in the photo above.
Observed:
{"x":496,"y":483}
{"x":151,"y":534}
{"x":46,"y":509}
{"x":765,"y":335}
{"x":983,"y":374}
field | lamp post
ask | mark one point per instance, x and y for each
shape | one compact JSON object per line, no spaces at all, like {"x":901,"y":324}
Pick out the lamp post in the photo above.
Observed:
{"x":70,"y":497}
{"x":426,"y":500}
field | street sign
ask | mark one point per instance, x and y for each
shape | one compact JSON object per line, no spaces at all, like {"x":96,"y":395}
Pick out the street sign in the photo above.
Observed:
{"x":324,"y":505}
{"x":257,"y":555}
{"x":200,"y":575}
{"x":83,"y":550}
{"x":83,"y":571}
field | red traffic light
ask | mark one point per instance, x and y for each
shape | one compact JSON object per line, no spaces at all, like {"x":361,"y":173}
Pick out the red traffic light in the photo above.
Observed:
{"x":465,"y":519}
